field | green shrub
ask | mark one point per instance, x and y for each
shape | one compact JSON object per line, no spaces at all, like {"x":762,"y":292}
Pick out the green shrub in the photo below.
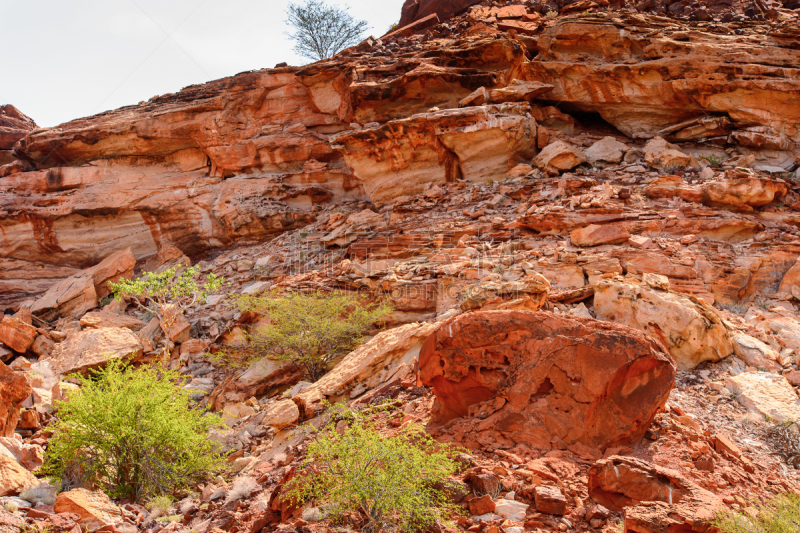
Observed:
{"x":167,"y":294}
{"x":399,"y":483}
{"x":781,"y":515}
{"x":131,"y":432}
{"x":159,"y":505}
{"x":311,"y":330}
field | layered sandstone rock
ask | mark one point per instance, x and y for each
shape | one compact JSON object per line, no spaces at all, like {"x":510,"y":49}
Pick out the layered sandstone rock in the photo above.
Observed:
{"x":13,"y":126}
{"x":475,"y":144}
{"x":685,"y":73}
{"x":539,"y":378}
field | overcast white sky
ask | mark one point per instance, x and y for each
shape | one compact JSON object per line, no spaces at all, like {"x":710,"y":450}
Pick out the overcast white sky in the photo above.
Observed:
{"x":66,"y":59}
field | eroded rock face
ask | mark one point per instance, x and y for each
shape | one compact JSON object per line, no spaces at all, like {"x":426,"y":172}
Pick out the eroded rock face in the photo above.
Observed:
{"x":538,"y":378}
{"x":402,"y":157}
{"x":14,"y":389}
{"x":690,"y":329}
{"x":679,"y":89}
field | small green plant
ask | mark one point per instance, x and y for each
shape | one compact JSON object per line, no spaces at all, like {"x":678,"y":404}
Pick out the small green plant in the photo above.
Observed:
{"x":311,"y":330}
{"x":781,"y":515}
{"x":712,"y":159}
{"x":551,"y":14}
{"x":159,"y":505}
{"x":303,"y":234}
{"x":400,"y":483}
{"x":167,"y":294}
{"x":10,"y":507}
{"x":131,"y":432}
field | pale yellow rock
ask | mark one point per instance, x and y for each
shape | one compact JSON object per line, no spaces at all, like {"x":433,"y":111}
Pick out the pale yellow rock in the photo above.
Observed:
{"x":281,"y":414}
{"x":388,"y":356}
{"x":766,"y":393}
{"x":94,"y":508}
{"x":606,"y":150}
{"x":557,"y":157}
{"x":690,"y":329}
{"x":108,"y":319}
{"x":661,"y":154}
{"x":91,"y":348}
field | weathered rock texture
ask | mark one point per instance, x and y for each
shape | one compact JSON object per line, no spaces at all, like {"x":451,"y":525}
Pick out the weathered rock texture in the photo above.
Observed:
{"x":692,"y":330}
{"x":539,"y":378}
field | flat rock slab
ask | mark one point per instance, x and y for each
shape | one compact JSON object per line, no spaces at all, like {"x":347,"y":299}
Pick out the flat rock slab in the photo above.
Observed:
{"x":91,"y":348}
{"x":765,"y":393}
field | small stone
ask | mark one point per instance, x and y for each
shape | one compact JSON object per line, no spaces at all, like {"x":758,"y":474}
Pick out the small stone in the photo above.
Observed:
{"x":550,"y":500}
{"x":640,"y":241}
{"x":724,"y":444}
{"x":482,"y":505}
{"x":689,"y":239}
{"x":510,"y":509}
{"x":595,"y":235}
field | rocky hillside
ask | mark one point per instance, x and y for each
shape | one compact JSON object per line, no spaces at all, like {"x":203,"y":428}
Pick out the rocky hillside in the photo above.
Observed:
{"x":586,"y":216}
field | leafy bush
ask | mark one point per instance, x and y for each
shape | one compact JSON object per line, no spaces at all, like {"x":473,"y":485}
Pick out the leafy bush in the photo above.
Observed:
{"x":399,"y":483}
{"x":131,"y":432}
{"x":781,"y":515}
{"x":167,"y":294}
{"x":311,"y":330}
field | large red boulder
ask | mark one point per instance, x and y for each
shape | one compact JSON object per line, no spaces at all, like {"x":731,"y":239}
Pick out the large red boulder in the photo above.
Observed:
{"x":14,"y":389}
{"x":414,"y":10}
{"x":544,"y":380}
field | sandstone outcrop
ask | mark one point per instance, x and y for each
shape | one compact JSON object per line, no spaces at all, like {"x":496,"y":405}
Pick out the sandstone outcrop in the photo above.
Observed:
{"x":475,"y":144}
{"x":606,"y":80}
{"x":540,"y":378}
{"x":14,"y":389}
{"x":690,"y":329}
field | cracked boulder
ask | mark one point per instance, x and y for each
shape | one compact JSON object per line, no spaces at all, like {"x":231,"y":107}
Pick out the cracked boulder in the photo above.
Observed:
{"x":544,"y":379}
